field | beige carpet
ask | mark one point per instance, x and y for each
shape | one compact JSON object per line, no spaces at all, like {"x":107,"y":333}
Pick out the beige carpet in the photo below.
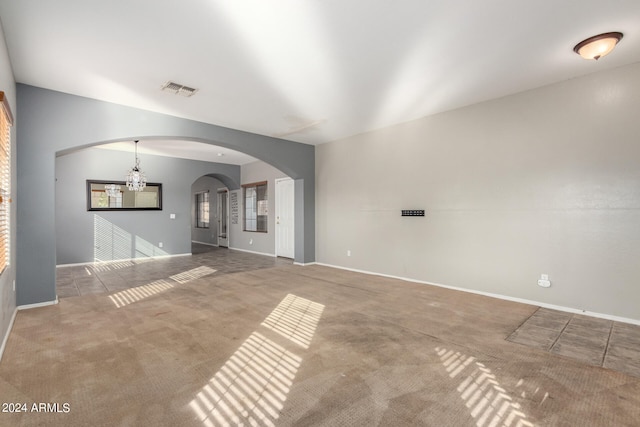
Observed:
{"x":303,"y":346}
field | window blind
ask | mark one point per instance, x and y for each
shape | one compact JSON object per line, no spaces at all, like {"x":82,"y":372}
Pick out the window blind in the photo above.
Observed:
{"x":6,"y":121}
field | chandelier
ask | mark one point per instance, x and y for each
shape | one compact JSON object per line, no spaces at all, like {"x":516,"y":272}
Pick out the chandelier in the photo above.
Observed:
{"x":136,"y":181}
{"x":112,"y":190}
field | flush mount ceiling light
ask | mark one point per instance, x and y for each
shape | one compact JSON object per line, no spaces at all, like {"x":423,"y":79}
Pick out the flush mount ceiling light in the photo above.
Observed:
{"x":136,"y":181}
{"x":597,"y":46}
{"x":179,"y":89}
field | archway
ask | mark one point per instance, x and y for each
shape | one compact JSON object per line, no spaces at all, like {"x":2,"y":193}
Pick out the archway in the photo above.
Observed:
{"x":210,"y":211}
{"x":51,"y":123}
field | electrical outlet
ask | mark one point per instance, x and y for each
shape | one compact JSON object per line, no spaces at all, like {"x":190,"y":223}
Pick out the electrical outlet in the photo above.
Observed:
{"x":160,"y":244}
{"x":251,"y":241}
{"x":349,"y":253}
{"x":544,"y":281}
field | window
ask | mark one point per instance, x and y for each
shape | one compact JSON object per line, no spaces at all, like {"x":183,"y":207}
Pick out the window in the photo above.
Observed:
{"x":101,"y":200}
{"x":6,"y":120}
{"x":255,"y":207}
{"x":202,"y":210}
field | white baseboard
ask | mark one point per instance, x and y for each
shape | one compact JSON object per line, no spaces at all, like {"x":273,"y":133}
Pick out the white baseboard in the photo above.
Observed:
{"x":6,"y":335}
{"x":36,"y":305}
{"x":114,"y":261}
{"x":13,"y":318}
{"x":253,"y":252}
{"x":205,"y":243}
{"x":492,"y":295}
{"x":305,"y":264}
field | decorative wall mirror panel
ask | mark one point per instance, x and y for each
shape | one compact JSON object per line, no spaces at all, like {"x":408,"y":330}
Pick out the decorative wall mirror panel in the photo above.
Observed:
{"x":115,"y":196}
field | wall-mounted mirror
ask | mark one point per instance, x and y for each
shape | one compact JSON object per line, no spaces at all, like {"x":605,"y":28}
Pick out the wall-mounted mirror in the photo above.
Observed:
{"x":115,"y":196}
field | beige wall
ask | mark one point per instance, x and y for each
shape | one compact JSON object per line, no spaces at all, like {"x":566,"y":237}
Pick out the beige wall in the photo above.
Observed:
{"x":546,"y":181}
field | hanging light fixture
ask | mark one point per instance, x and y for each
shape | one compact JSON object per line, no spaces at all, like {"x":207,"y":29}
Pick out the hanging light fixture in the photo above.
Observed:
{"x":597,"y":46}
{"x":136,"y":181}
{"x":112,"y":190}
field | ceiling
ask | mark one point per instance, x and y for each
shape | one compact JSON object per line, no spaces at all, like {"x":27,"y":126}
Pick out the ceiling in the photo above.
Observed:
{"x":310,"y":71}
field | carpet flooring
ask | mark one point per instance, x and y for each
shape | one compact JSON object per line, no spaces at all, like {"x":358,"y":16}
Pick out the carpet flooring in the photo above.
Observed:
{"x":286,"y":345}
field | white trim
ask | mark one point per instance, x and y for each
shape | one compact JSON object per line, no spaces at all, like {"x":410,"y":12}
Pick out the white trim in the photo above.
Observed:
{"x":114,"y":261}
{"x":305,"y":264}
{"x":204,"y":243}
{"x":498,"y":296}
{"x":38,"y":304}
{"x":218,"y":213}
{"x":276,"y":211}
{"x":253,"y":252}
{"x":6,"y":336}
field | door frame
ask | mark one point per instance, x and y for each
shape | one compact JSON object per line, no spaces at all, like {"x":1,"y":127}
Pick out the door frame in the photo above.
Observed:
{"x":277,"y":216}
{"x":219,"y":215}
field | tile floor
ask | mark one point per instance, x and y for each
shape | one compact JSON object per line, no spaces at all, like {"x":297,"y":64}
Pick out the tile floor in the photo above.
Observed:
{"x":598,"y":342}
{"x":111,"y":277}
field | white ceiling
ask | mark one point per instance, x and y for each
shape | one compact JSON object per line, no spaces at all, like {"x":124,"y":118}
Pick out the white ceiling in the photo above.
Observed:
{"x":310,"y":71}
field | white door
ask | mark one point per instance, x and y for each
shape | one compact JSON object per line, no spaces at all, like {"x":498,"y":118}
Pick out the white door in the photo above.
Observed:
{"x":284,"y":217}
{"x":223,"y":218}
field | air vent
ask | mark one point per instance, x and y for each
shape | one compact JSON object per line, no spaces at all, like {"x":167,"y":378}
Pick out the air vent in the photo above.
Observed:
{"x":179,"y":89}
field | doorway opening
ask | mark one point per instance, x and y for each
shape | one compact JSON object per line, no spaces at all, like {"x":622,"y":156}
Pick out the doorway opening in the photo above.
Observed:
{"x":210,"y":213}
{"x":223,"y":218}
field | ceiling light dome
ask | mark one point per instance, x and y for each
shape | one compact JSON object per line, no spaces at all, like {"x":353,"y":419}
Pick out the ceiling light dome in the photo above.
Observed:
{"x":597,"y":46}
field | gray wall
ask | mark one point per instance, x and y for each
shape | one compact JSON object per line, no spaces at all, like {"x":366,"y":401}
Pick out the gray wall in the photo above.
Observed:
{"x":545,"y":181}
{"x":7,"y":294}
{"x":88,"y":236}
{"x":206,"y":235}
{"x":53,"y":122}
{"x":264,"y":243}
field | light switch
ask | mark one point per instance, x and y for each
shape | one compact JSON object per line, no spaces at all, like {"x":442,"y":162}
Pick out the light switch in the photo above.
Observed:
{"x":172,"y":216}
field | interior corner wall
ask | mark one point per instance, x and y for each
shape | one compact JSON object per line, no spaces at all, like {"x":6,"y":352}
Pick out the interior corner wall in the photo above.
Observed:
{"x":84,"y":236}
{"x":542,"y":182}
{"x":7,"y":277}
{"x":264,"y":243}
{"x":208,"y":235}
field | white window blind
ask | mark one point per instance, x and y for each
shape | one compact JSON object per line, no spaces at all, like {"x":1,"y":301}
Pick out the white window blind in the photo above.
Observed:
{"x":6,"y":121}
{"x":255,"y":207}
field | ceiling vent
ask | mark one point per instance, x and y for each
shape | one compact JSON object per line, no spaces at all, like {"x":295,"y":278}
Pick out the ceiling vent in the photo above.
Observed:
{"x":179,"y":89}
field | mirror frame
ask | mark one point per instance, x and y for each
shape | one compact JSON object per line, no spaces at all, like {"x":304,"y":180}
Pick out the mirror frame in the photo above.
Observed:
{"x":158,"y":207}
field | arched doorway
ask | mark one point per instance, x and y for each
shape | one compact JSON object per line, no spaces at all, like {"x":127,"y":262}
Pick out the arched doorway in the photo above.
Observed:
{"x":210,"y":212}
{"x":52,"y":123}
